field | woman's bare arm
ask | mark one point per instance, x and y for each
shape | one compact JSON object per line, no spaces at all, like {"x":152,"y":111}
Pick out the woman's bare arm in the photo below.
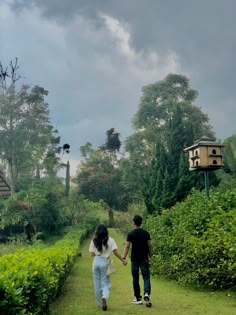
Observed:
{"x":118,"y":255}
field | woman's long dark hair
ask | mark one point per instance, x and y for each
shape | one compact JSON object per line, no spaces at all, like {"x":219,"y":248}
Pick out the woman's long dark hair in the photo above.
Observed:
{"x":101,"y":237}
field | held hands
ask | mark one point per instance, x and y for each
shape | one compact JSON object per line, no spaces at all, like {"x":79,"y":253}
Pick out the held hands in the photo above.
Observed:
{"x":124,"y":261}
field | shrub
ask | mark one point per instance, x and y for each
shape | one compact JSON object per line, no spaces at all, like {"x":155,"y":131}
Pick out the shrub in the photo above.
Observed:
{"x":31,"y":277}
{"x":195,"y":241}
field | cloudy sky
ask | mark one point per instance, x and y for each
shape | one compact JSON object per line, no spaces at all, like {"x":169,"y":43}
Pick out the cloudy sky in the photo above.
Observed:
{"x":94,"y":56}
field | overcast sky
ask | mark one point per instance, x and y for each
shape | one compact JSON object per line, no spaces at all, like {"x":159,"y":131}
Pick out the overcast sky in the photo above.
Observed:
{"x":94,"y":56}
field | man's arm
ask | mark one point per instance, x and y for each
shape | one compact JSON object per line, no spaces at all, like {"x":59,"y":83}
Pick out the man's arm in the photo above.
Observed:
{"x":149,"y":250}
{"x":126,"y":249}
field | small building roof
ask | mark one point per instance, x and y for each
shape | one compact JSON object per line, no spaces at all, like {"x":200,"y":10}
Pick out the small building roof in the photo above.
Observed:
{"x":5,"y":189}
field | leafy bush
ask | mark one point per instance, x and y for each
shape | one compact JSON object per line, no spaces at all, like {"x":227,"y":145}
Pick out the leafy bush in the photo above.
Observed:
{"x":195,"y":241}
{"x":41,"y":209}
{"x":31,"y":277}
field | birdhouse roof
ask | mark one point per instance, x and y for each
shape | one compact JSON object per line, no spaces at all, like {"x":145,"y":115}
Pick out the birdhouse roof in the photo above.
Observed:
{"x":204,"y":142}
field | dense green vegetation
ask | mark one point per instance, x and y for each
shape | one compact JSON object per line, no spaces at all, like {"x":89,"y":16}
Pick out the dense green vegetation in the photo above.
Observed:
{"x":31,"y":277}
{"x":195,"y":241}
{"x":194,"y":237}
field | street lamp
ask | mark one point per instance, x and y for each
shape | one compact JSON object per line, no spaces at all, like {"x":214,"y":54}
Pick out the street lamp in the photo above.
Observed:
{"x":66,"y":148}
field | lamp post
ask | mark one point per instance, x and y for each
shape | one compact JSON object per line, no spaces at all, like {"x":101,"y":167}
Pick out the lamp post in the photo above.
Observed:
{"x":66,"y":148}
{"x":67,"y":189}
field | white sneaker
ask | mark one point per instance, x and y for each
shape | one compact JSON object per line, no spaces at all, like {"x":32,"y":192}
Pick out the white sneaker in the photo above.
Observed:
{"x":147,"y":300}
{"x":137,"y":301}
{"x":146,"y":296}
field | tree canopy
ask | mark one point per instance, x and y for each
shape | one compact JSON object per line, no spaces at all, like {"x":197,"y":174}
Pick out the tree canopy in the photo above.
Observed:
{"x":27,"y":139}
{"x":99,"y":175}
{"x":167,"y":120}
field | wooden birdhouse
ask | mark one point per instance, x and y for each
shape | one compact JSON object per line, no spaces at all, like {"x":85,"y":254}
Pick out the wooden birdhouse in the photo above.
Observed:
{"x":205,"y":153}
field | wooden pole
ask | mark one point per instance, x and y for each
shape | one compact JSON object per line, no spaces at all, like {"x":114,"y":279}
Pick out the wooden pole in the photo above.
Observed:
{"x":206,"y":177}
{"x":67,"y":188}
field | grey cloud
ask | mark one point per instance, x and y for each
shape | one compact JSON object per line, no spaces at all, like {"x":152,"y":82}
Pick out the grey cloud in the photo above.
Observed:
{"x":202,"y":33}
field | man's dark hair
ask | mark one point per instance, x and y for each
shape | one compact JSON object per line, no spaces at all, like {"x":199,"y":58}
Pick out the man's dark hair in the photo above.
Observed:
{"x":137,"y":220}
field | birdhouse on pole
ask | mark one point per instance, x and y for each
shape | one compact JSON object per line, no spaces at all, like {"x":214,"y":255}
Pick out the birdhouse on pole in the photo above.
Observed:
{"x":205,"y":154}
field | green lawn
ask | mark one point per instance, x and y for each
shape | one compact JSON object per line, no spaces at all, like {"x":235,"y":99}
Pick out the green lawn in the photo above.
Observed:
{"x":168,"y":298}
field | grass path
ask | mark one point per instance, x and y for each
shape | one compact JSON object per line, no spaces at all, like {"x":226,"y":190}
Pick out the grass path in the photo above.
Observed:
{"x":167,"y":297}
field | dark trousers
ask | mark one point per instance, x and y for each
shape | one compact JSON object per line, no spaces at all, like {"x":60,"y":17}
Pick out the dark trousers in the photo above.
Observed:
{"x":144,"y":267}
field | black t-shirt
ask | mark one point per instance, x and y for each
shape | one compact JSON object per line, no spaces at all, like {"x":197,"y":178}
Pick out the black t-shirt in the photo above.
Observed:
{"x":139,"y":239}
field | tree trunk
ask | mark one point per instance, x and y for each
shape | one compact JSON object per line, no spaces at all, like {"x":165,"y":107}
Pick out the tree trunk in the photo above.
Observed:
{"x":37,"y":172}
{"x":111,"y":218}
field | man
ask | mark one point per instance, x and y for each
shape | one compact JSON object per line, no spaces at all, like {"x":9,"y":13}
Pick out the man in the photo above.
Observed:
{"x":141,"y":254}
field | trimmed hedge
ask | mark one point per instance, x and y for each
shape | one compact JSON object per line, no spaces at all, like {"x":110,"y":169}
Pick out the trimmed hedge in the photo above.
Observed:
{"x":195,"y":241}
{"x":30,"y":278}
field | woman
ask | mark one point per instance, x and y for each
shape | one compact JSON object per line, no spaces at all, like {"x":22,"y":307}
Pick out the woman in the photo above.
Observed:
{"x":101,"y":247}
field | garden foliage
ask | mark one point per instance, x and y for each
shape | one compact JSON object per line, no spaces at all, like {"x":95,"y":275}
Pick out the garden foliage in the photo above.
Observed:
{"x":30,"y":278}
{"x":195,"y":241}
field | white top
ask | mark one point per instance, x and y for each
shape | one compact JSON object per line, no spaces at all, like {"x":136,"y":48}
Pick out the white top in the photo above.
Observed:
{"x":106,"y":252}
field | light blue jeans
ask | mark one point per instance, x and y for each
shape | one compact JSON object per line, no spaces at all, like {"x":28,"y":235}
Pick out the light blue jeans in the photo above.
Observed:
{"x":102,"y":283}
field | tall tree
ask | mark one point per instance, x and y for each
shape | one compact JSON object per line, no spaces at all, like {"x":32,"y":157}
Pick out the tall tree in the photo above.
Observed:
{"x":24,"y":117}
{"x":158,"y":106}
{"x":154,"y":181}
{"x":228,"y":174}
{"x":99,"y":175}
{"x":230,"y":154}
{"x":168,"y":117}
{"x":50,"y":162}
{"x":98,"y":179}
